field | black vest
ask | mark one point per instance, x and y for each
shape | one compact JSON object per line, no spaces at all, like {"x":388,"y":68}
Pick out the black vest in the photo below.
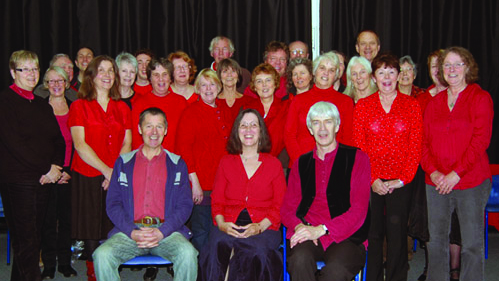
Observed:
{"x":338,"y":189}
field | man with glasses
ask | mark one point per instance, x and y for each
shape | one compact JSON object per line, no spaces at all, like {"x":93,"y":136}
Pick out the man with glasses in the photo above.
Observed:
{"x":63,"y":61}
{"x":298,"y":49}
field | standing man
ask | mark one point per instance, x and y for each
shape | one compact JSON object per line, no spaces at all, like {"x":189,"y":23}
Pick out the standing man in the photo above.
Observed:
{"x":142,"y":85}
{"x":298,"y":49}
{"x":63,"y":61}
{"x":276,"y":54}
{"x":84,"y":56}
{"x":368,"y":44}
{"x":325,"y":207}
{"x":221,"y":48}
{"x":149,"y":200}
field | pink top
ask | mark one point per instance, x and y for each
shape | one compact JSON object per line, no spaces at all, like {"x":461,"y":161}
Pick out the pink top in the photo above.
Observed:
{"x":149,"y":181}
{"x":66,"y":134}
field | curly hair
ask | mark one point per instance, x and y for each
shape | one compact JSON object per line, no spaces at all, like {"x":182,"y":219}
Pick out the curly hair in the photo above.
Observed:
{"x":289,"y":72}
{"x":275,"y":46}
{"x":234,"y":144}
{"x":471,"y":75}
{"x":183,"y":55}
{"x":264,"y":68}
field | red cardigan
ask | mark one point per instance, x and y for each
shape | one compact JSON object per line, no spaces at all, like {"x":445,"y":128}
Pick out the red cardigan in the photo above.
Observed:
{"x":297,"y":138}
{"x":275,"y":121}
{"x":261,"y":195}
{"x":457,"y":140}
{"x":201,"y":139}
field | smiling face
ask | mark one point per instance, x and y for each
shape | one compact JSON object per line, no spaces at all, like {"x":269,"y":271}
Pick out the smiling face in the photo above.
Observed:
{"x":249,"y":130}
{"x":56,"y":84}
{"x":221,"y":50}
{"x":324,"y":130}
{"x":278,"y":60}
{"x":406,"y":74}
{"x":83,"y":58}
{"x":434,"y":70}
{"x":160,"y":81}
{"x":360,"y":77}
{"x":325,"y":74}
{"x":66,"y":64}
{"x":26,"y":74}
{"x":367,"y":45}
{"x":264,"y":85}
{"x":298,"y":49}
{"x":153,"y":129}
{"x":127,"y":74}
{"x":208,"y":90}
{"x":454,"y":70}
{"x":229,"y":77}
{"x":386,"y":79}
{"x":143,"y":60}
{"x":301,"y":78}
{"x":104,"y":79}
{"x":181,"y":71}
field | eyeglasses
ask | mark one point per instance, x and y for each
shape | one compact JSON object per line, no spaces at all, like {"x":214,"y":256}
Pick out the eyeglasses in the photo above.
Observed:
{"x":275,"y":59}
{"x":182,"y":67}
{"x":28,"y":70}
{"x":298,"y":51}
{"x":457,"y":65}
{"x":407,"y":69}
{"x":54,"y":82}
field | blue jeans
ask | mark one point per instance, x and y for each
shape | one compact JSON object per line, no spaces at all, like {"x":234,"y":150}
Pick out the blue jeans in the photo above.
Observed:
{"x":469,"y":205}
{"x":121,"y":248}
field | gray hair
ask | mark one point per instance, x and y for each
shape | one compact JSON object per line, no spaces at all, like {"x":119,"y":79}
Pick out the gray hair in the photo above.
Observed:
{"x":349,"y":90}
{"x":409,"y":60}
{"x":125,"y":57}
{"x":217,"y":39}
{"x":59,"y":71}
{"x":323,"y":109}
{"x":329,"y":56}
{"x":58,"y":56}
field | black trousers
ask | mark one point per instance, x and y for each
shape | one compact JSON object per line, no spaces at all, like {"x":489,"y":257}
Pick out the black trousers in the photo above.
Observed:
{"x":56,"y":230}
{"x":24,"y":207}
{"x":389,"y":216}
{"x":343,"y":261}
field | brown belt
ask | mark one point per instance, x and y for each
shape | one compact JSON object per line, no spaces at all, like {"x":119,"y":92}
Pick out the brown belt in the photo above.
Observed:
{"x":148,"y":221}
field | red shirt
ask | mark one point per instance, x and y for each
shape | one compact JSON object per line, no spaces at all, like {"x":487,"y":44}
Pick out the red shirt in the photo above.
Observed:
{"x":104,"y":131}
{"x":457,"y":140}
{"x":239,"y":104}
{"x":343,"y":226}
{"x":142,"y":90}
{"x":149,"y":181}
{"x":391,"y":140}
{"x":297,"y":138}
{"x":172,"y":104}
{"x":280,"y":92}
{"x":201,"y":139}
{"x":261,"y":195}
{"x":274,"y":120}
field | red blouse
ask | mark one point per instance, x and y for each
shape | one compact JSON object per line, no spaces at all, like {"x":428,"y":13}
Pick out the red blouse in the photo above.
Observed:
{"x":391,"y":140}
{"x":172,"y":104}
{"x":239,"y":103}
{"x":142,"y":90}
{"x":274,"y":120}
{"x":297,"y":138}
{"x":104,"y":131}
{"x":261,"y":195}
{"x":457,"y":140}
{"x":201,"y":139}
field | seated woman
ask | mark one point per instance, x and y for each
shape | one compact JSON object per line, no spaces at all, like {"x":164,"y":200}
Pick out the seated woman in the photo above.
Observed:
{"x":247,"y":195}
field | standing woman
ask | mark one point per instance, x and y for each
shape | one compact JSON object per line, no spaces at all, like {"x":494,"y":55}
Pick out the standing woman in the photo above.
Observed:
{"x":299,"y":75}
{"x":202,"y":134}
{"x":101,"y":130}
{"x":408,"y":72}
{"x":184,"y":71}
{"x":359,"y":79}
{"x":32,"y":150}
{"x":127,"y":68}
{"x":457,"y":132}
{"x":56,"y":232}
{"x":387,"y":126}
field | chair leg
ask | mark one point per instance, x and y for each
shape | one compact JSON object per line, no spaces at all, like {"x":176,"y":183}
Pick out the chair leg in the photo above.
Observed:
{"x":486,"y":235}
{"x":8,"y":247}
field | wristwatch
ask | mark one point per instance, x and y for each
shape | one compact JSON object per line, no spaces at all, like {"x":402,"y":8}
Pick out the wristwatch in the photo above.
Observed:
{"x":325,"y":229}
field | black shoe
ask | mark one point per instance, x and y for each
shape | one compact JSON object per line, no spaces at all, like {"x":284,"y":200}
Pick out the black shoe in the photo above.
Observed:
{"x":48,"y":273}
{"x":422,"y":277}
{"x":67,"y":270}
{"x":150,"y":274}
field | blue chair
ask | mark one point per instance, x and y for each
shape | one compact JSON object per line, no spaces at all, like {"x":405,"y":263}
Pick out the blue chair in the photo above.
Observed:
{"x":492,"y":207}
{"x":150,"y":260}
{"x":320,"y":264}
{"x":2,"y":215}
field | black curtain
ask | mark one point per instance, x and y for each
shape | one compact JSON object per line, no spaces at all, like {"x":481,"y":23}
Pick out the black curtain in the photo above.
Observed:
{"x":416,"y":28}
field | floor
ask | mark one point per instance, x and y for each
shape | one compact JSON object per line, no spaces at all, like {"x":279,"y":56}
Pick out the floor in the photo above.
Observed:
{"x":416,"y":265}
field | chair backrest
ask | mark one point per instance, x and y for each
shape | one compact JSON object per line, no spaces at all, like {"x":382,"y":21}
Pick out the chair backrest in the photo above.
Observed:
{"x":494,"y":192}
{"x":1,"y":208}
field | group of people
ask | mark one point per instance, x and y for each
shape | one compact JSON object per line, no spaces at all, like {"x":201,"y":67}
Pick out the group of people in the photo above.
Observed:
{"x":141,"y":154}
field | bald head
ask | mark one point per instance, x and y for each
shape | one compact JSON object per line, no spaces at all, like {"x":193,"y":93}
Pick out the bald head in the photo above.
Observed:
{"x":368,"y":44}
{"x":298,"y":49}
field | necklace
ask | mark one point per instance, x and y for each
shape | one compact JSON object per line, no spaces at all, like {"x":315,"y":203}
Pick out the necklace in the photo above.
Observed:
{"x":452,"y":100}
{"x":246,"y":159}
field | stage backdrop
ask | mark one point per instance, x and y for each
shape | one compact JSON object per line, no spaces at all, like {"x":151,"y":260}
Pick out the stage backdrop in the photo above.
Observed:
{"x":405,"y":27}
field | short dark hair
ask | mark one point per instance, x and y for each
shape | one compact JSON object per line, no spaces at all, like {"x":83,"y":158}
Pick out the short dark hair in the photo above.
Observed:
{"x":471,"y":75}
{"x":144,"y":51}
{"x":234,"y":145}
{"x":386,"y":59}
{"x":87,"y":88}
{"x":275,"y":46}
{"x":154,"y":63}
{"x":230,"y":63}
{"x":153,"y":111}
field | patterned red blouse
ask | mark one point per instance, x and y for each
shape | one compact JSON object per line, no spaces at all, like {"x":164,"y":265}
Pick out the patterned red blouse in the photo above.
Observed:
{"x":391,"y":140}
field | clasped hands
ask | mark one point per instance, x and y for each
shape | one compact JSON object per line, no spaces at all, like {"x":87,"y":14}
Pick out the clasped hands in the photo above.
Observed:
{"x":387,"y":187}
{"x":445,"y":183}
{"x":232,"y":229}
{"x":147,"y":237}
{"x":54,"y":175}
{"x":304,"y":233}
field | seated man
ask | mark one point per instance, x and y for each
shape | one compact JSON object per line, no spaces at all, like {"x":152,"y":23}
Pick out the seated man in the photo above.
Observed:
{"x":326,"y":204}
{"x":149,"y":200}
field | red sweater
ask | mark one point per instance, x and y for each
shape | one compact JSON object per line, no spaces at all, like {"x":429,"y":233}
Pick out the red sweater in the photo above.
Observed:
{"x":391,"y":140}
{"x":238,"y":105}
{"x":201,"y":139}
{"x":261,"y":195}
{"x":275,"y":120}
{"x":172,"y":104}
{"x":297,"y":138}
{"x":457,"y":140}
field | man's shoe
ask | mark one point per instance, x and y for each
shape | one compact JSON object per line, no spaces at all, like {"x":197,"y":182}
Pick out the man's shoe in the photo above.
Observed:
{"x":67,"y":270}
{"x":150,"y":274}
{"x":48,"y":273}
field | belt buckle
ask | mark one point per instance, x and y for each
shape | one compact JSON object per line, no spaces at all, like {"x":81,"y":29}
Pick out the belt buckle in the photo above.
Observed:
{"x":147,"y":221}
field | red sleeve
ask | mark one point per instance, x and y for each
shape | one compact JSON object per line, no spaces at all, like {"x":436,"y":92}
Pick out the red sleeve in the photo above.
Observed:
{"x":359,"y":126}
{"x":185,"y":138}
{"x":77,"y":116}
{"x":346,"y":126}
{"x":291,"y":131}
{"x":218,"y":193}
{"x":126,"y":114}
{"x":413,"y":156}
